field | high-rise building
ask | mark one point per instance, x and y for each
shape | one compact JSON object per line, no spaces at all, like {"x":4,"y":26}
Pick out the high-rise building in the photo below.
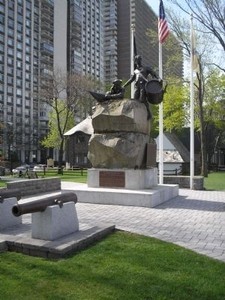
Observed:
{"x":110,"y":40}
{"x":46,"y":64}
{"x":85,"y":37}
{"x":20,"y":55}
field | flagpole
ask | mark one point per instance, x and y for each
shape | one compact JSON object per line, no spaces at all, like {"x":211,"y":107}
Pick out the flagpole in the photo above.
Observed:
{"x":160,"y":114}
{"x":132,"y":59}
{"x":192,"y":111}
{"x":160,"y":122}
{"x":163,"y":32}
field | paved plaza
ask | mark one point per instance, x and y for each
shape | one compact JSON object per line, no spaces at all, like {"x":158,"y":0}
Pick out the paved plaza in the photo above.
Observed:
{"x":194,"y":219}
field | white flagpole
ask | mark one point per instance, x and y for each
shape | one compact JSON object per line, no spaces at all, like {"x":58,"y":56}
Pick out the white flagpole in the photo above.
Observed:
{"x":160,"y":122}
{"x":132,"y":59}
{"x":192,"y":113}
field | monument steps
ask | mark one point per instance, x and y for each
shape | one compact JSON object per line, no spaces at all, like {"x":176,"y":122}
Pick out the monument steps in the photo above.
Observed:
{"x":127,"y":197}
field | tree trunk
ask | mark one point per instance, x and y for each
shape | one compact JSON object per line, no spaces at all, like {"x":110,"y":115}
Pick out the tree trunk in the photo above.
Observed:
{"x":60,"y":162}
{"x":204,"y":168}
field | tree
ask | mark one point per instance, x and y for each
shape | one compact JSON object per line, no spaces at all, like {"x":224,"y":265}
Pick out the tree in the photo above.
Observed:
{"x":181,"y":28}
{"x":175,"y":98}
{"x":214,"y":105}
{"x":64,"y":94}
{"x":61,"y":116}
{"x":175,"y":103}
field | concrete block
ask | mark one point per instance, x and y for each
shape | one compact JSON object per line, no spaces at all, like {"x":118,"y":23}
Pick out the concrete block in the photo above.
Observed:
{"x":35,"y":186}
{"x":184,"y":181}
{"x":55,"y":222}
{"x":7,"y":219}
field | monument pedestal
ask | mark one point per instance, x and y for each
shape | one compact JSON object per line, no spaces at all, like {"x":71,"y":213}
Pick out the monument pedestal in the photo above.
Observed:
{"x":125,"y":187}
{"x":123,"y":178}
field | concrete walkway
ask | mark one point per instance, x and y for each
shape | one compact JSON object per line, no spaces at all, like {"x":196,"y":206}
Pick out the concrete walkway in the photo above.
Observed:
{"x":194,"y":219}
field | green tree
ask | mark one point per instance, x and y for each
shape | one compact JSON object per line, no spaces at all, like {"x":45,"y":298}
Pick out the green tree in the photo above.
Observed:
{"x":181,"y":29}
{"x":175,"y":107}
{"x":59,"y":116}
{"x":214,"y":105}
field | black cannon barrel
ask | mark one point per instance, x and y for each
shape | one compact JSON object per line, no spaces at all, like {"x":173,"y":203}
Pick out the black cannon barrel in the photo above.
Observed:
{"x":42,"y":204}
{"x":7,"y":193}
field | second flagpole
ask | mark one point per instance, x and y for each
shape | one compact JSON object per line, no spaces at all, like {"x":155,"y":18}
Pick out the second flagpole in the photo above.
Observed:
{"x":160,"y":122}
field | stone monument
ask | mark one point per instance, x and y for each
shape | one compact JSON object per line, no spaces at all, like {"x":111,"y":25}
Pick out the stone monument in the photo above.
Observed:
{"x":118,"y":147}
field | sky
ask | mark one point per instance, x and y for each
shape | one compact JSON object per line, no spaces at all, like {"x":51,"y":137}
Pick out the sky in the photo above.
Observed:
{"x":154,"y":4}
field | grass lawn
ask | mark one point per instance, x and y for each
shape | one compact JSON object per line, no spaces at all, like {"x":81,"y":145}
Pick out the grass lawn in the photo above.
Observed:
{"x":73,"y":176}
{"x":122,"y":266}
{"x":215,"y":181}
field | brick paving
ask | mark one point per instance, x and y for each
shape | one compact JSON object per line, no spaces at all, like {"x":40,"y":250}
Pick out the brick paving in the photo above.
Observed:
{"x":194,"y":220}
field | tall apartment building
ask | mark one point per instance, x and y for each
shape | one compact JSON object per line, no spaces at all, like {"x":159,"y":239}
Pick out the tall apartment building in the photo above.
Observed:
{"x":110,"y":40}
{"x":78,"y":37}
{"x":20,"y":77}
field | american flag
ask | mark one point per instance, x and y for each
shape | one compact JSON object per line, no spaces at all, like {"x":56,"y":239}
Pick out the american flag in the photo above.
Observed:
{"x":163,"y":28}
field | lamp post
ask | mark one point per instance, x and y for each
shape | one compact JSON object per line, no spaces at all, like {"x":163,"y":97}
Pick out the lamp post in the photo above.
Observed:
{"x":10,"y":141}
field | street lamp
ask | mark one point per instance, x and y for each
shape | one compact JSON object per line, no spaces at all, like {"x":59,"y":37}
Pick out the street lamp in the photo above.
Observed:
{"x":10,"y":141}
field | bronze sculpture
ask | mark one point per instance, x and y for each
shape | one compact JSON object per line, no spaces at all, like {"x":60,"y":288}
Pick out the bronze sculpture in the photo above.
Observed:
{"x":116,"y":92}
{"x":140,"y":77}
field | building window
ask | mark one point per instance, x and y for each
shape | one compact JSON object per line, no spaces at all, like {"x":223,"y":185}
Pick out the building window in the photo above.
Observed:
{"x":10,"y":70}
{"x":19,"y":101}
{"x":2,"y":8}
{"x":18,"y":92}
{"x":9,"y":80}
{"x":10,"y":89}
{"x":11,"y":23}
{"x":10,"y":61}
{"x":19,"y":55}
{"x":19,"y":64}
{"x":10,"y":99}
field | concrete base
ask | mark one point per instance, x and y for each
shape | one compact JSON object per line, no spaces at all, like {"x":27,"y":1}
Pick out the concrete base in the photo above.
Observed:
{"x":144,"y":198}
{"x":123,"y":178}
{"x":7,"y":219}
{"x":125,"y":187}
{"x":55,"y":222}
{"x":19,"y":239}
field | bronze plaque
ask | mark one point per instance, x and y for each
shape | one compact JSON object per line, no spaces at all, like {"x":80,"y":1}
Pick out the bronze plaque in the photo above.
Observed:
{"x":112,"y":179}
